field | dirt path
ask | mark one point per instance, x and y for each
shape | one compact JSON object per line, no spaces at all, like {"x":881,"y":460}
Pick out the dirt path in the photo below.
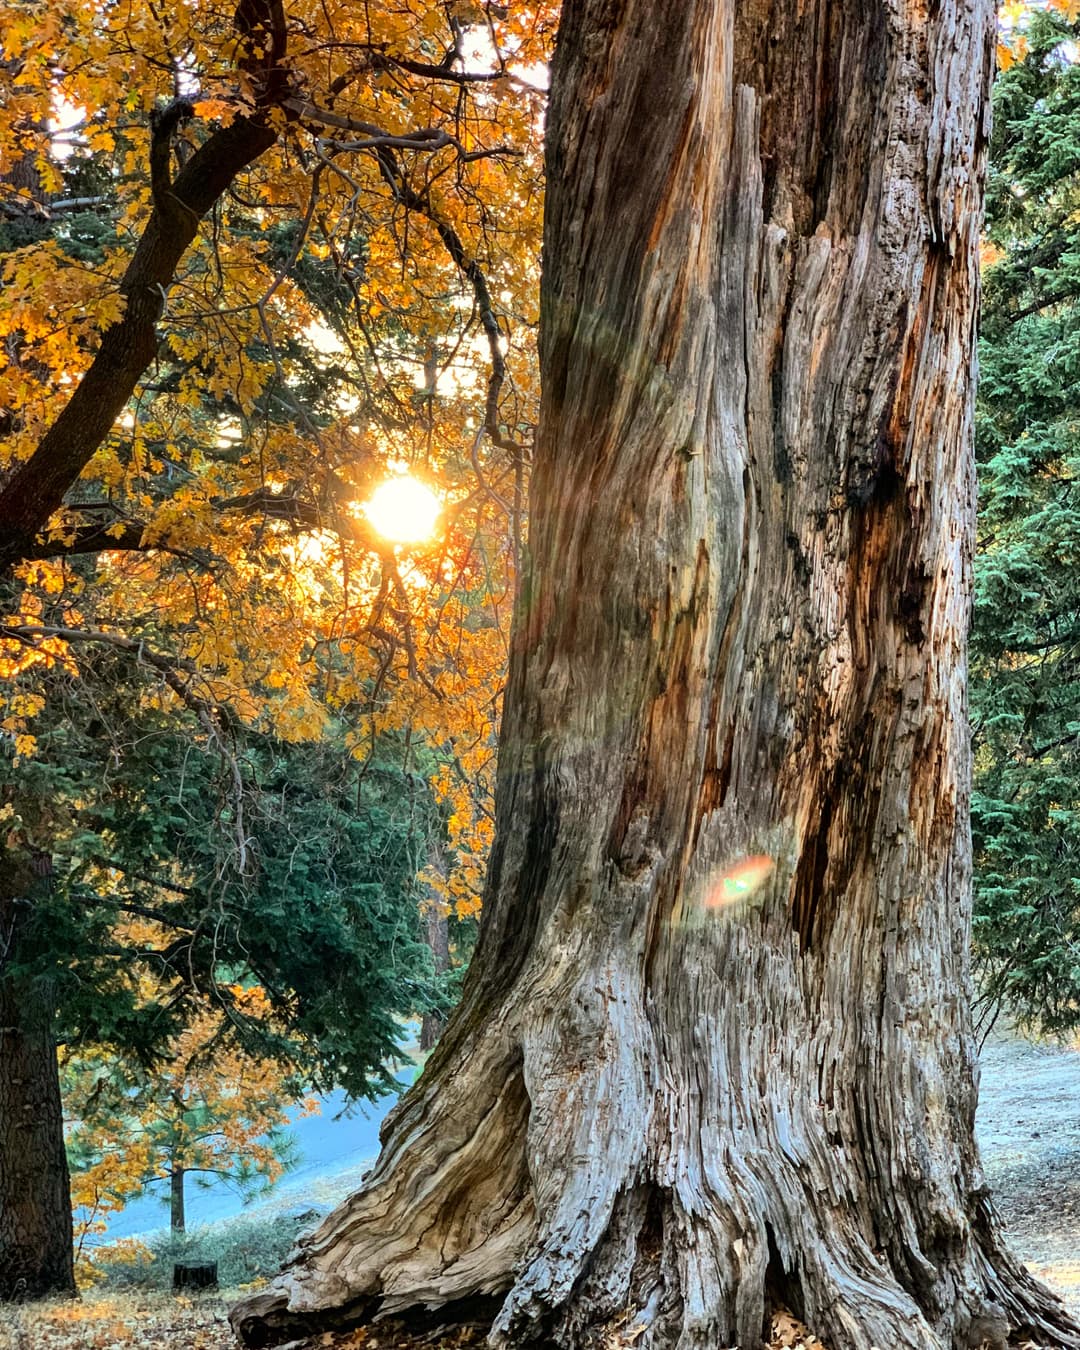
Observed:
{"x":1029,"y":1132}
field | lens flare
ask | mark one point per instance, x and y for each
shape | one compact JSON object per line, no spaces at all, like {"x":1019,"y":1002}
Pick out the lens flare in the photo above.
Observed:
{"x":747,"y":876}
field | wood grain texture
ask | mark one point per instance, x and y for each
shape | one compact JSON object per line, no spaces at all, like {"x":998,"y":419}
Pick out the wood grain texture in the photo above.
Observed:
{"x":742,"y":635}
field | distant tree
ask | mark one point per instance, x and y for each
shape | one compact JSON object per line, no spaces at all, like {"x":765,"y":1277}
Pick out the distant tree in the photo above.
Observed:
{"x":1025,"y":651}
{"x":206,"y":1108}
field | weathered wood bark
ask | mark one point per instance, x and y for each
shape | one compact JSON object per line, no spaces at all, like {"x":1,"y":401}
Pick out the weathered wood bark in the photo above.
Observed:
{"x":742,"y":636}
{"x":35,"y":1195}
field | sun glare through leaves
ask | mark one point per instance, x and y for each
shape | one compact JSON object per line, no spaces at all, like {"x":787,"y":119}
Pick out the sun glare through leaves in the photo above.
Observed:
{"x":403,"y":510}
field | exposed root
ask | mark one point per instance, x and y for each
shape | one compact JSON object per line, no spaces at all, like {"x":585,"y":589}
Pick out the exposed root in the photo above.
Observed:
{"x":443,"y":1218}
{"x":546,"y":1182}
{"x":554,"y":1185}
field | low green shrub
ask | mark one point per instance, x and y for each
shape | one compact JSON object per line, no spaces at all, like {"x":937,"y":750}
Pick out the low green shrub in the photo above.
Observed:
{"x":247,"y":1248}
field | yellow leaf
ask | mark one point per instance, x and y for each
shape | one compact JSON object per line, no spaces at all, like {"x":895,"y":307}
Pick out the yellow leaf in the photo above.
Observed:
{"x":215,"y":110}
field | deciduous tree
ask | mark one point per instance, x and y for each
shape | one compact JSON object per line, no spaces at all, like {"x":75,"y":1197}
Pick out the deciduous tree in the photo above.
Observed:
{"x":212,"y":314}
{"x":207,"y":1108}
{"x":216,"y":532}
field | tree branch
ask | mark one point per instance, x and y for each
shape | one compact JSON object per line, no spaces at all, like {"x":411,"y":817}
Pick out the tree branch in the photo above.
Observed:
{"x":146,"y":912}
{"x":423,"y":138}
{"x":380,"y":59}
{"x":168,"y":667}
{"x":36,"y":489}
{"x":158,"y":883}
{"x":95,"y":538}
{"x":412,"y":200}
{"x":164,"y":122}
{"x":288,"y":507}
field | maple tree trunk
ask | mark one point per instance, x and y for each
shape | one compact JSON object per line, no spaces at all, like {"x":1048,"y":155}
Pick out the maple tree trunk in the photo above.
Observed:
{"x":739,"y":659}
{"x":36,"y":1251}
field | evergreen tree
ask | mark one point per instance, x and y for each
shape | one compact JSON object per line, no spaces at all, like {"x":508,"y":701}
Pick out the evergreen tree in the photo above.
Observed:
{"x":1025,"y":667}
{"x":255,"y":861}
{"x":251,"y":862}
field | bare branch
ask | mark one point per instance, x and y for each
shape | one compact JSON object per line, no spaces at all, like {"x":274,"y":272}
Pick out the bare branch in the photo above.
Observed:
{"x":474,"y":274}
{"x":423,"y":138}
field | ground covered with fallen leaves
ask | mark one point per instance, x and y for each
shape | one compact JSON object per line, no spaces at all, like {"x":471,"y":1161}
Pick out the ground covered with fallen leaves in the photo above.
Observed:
{"x":163,"y":1322}
{"x":120,"y":1322}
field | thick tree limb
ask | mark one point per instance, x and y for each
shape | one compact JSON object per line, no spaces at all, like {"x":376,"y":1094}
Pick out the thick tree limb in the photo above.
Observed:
{"x":384,"y":61}
{"x":159,"y":883}
{"x":156,"y":915}
{"x":31,"y":635}
{"x":163,"y":125}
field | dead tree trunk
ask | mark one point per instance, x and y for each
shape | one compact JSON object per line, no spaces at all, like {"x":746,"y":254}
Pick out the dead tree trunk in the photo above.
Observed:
{"x":715,"y":1046}
{"x":177,"y":1216}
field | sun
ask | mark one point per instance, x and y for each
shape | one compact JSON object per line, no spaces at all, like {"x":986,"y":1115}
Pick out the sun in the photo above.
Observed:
{"x":403,"y":510}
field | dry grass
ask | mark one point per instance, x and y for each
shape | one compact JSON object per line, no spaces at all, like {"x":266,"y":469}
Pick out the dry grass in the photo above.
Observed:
{"x":1063,"y":1277}
{"x":136,"y":1321}
{"x":155,"y":1321}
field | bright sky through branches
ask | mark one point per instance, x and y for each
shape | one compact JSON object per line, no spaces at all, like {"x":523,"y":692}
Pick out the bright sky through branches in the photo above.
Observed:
{"x":403,"y":510}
